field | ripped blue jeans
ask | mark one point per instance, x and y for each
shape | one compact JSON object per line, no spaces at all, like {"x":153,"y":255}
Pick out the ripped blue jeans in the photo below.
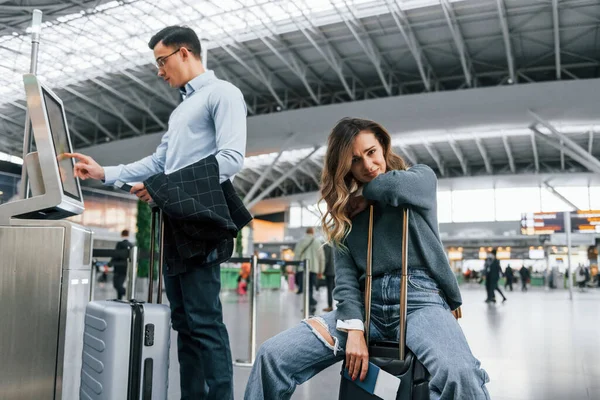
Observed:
{"x":297,"y":354}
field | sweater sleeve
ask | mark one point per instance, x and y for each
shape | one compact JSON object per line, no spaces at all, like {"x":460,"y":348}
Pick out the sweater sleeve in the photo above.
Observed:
{"x":347,"y":288}
{"x":416,"y":186}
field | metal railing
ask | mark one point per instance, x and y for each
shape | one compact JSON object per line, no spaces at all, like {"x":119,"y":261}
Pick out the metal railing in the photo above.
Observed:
{"x":132,"y":258}
{"x":255,"y":274}
{"x":130,"y":255}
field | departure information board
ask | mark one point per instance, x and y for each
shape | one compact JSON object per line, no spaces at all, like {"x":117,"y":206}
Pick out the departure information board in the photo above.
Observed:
{"x":542,"y":223}
{"x":585,"y":221}
{"x":547,"y":223}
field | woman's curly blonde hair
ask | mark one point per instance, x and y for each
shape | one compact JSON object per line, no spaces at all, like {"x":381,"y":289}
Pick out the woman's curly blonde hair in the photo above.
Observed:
{"x":337,"y":181}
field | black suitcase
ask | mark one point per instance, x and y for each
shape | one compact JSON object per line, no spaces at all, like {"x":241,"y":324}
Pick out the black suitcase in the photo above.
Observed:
{"x":126,"y":343}
{"x":392,"y":357}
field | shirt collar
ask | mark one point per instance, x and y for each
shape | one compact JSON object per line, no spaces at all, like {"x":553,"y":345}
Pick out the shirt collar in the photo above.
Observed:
{"x":197,"y":83}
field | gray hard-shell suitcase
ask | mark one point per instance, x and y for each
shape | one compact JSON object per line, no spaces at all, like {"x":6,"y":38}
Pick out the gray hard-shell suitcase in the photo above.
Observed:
{"x":126,"y":344}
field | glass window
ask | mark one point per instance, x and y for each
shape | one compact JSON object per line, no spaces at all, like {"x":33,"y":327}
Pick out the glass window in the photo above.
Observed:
{"x":473,"y":205}
{"x":295,"y":217}
{"x":311,"y":216}
{"x":595,"y":197}
{"x":551,"y":202}
{"x":577,"y":195}
{"x":444,"y":204}
{"x":511,"y":202}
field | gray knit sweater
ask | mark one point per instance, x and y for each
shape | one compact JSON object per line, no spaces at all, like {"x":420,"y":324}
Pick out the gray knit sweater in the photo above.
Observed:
{"x":415,"y":188}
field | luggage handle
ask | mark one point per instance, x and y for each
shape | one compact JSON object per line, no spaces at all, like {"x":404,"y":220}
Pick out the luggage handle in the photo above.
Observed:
{"x":403,"y":281}
{"x":157,"y":218}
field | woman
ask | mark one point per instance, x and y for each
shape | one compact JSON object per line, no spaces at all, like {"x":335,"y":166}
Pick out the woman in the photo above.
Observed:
{"x":361,"y":169}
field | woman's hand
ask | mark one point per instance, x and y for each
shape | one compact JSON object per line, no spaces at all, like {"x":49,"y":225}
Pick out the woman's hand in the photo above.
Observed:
{"x":357,"y":355}
{"x":355,"y":205}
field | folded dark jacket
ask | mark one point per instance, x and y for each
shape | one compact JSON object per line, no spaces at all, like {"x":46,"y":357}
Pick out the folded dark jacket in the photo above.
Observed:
{"x":200,"y":213}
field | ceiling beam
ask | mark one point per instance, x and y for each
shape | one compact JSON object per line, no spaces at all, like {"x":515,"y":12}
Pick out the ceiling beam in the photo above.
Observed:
{"x":170,"y":101}
{"x":127,"y":99}
{"x":461,"y":157}
{"x":536,"y":158}
{"x":291,"y":178}
{"x":292,"y":61}
{"x":325,"y":49}
{"x":109,"y":108}
{"x":121,"y":116}
{"x":366,"y":43}
{"x":90,"y":118}
{"x":240,"y":175}
{"x":230,"y":77}
{"x":409,"y":154}
{"x":79,"y":134}
{"x":568,"y":142}
{"x":279,"y":180}
{"x":415,"y":48}
{"x":294,"y":179}
{"x":436,"y":157}
{"x":507,"y":43}
{"x":459,"y":41}
{"x":509,"y":154}
{"x":12,"y":120}
{"x":144,"y":107}
{"x":560,"y":196}
{"x":310,"y":174}
{"x":89,"y":101}
{"x":556,"y":38}
{"x":555,"y":143}
{"x":261,"y":74}
{"x":562,"y":155}
{"x":591,"y":141}
{"x":262,"y":178}
{"x":484,"y":154}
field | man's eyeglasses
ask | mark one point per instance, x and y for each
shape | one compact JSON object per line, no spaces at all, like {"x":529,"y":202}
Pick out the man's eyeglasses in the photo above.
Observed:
{"x":161,"y":61}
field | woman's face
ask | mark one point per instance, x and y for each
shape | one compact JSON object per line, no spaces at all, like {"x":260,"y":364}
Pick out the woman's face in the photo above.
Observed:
{"x":367,"y":157}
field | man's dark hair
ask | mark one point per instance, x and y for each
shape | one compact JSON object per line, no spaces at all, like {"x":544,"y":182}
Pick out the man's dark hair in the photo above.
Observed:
{"x":177,"y":36}
{"x":494,"y":251}
{"x":124,"y":233}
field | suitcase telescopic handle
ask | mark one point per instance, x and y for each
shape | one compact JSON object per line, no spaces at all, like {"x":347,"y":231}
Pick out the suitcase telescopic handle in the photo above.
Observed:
{"x":403,"y":281}
{"x":157,"y":219}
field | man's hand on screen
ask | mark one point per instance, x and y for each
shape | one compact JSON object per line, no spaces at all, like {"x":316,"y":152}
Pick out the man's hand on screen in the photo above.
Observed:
{"x":85,"y":167}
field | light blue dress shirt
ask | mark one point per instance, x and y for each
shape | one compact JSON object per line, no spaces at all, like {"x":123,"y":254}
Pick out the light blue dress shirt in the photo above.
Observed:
{"x":210,"y":120}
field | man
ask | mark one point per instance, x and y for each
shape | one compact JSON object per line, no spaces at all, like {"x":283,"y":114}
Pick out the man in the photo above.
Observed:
{"x":493,"y":272}
{"x":509,"y":276}
{"x":119,"y":265}
{"x":210,"y":122}
{"x":329,"y":275}
{"x":309,"y":248}
{"x":524,"y":272}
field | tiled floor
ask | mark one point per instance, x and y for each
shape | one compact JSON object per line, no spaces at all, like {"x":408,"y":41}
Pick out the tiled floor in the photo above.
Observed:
{"x":536,"y":346}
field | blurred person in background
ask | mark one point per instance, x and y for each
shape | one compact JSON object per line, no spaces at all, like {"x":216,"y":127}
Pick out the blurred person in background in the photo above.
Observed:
{"x":119,"y":264}
{"x":509,"y":276}
{"x":309,"y":248}
{"x":493,"y":273}
{"x":525,"y":276}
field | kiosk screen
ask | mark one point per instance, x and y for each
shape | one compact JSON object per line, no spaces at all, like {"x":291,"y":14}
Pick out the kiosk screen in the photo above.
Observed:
{"x":61,"y":145}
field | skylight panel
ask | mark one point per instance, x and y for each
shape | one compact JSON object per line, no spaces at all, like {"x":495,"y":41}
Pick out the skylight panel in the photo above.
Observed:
{"x":115,"y":34}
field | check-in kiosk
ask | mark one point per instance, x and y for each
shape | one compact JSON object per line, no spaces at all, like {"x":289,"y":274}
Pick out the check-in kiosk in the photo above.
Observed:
{"x":45,"y":264}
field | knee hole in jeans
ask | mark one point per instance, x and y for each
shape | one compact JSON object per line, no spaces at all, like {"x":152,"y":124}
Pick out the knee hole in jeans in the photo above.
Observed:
{"x":321,"y":331}
{"x":321,"y":328}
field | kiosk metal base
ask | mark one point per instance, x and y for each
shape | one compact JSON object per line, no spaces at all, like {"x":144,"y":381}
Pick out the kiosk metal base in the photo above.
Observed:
{"x":44,"y":289}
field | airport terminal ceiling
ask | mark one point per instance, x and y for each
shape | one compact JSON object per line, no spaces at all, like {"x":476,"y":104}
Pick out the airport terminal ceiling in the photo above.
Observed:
{"x":459,"y":75}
